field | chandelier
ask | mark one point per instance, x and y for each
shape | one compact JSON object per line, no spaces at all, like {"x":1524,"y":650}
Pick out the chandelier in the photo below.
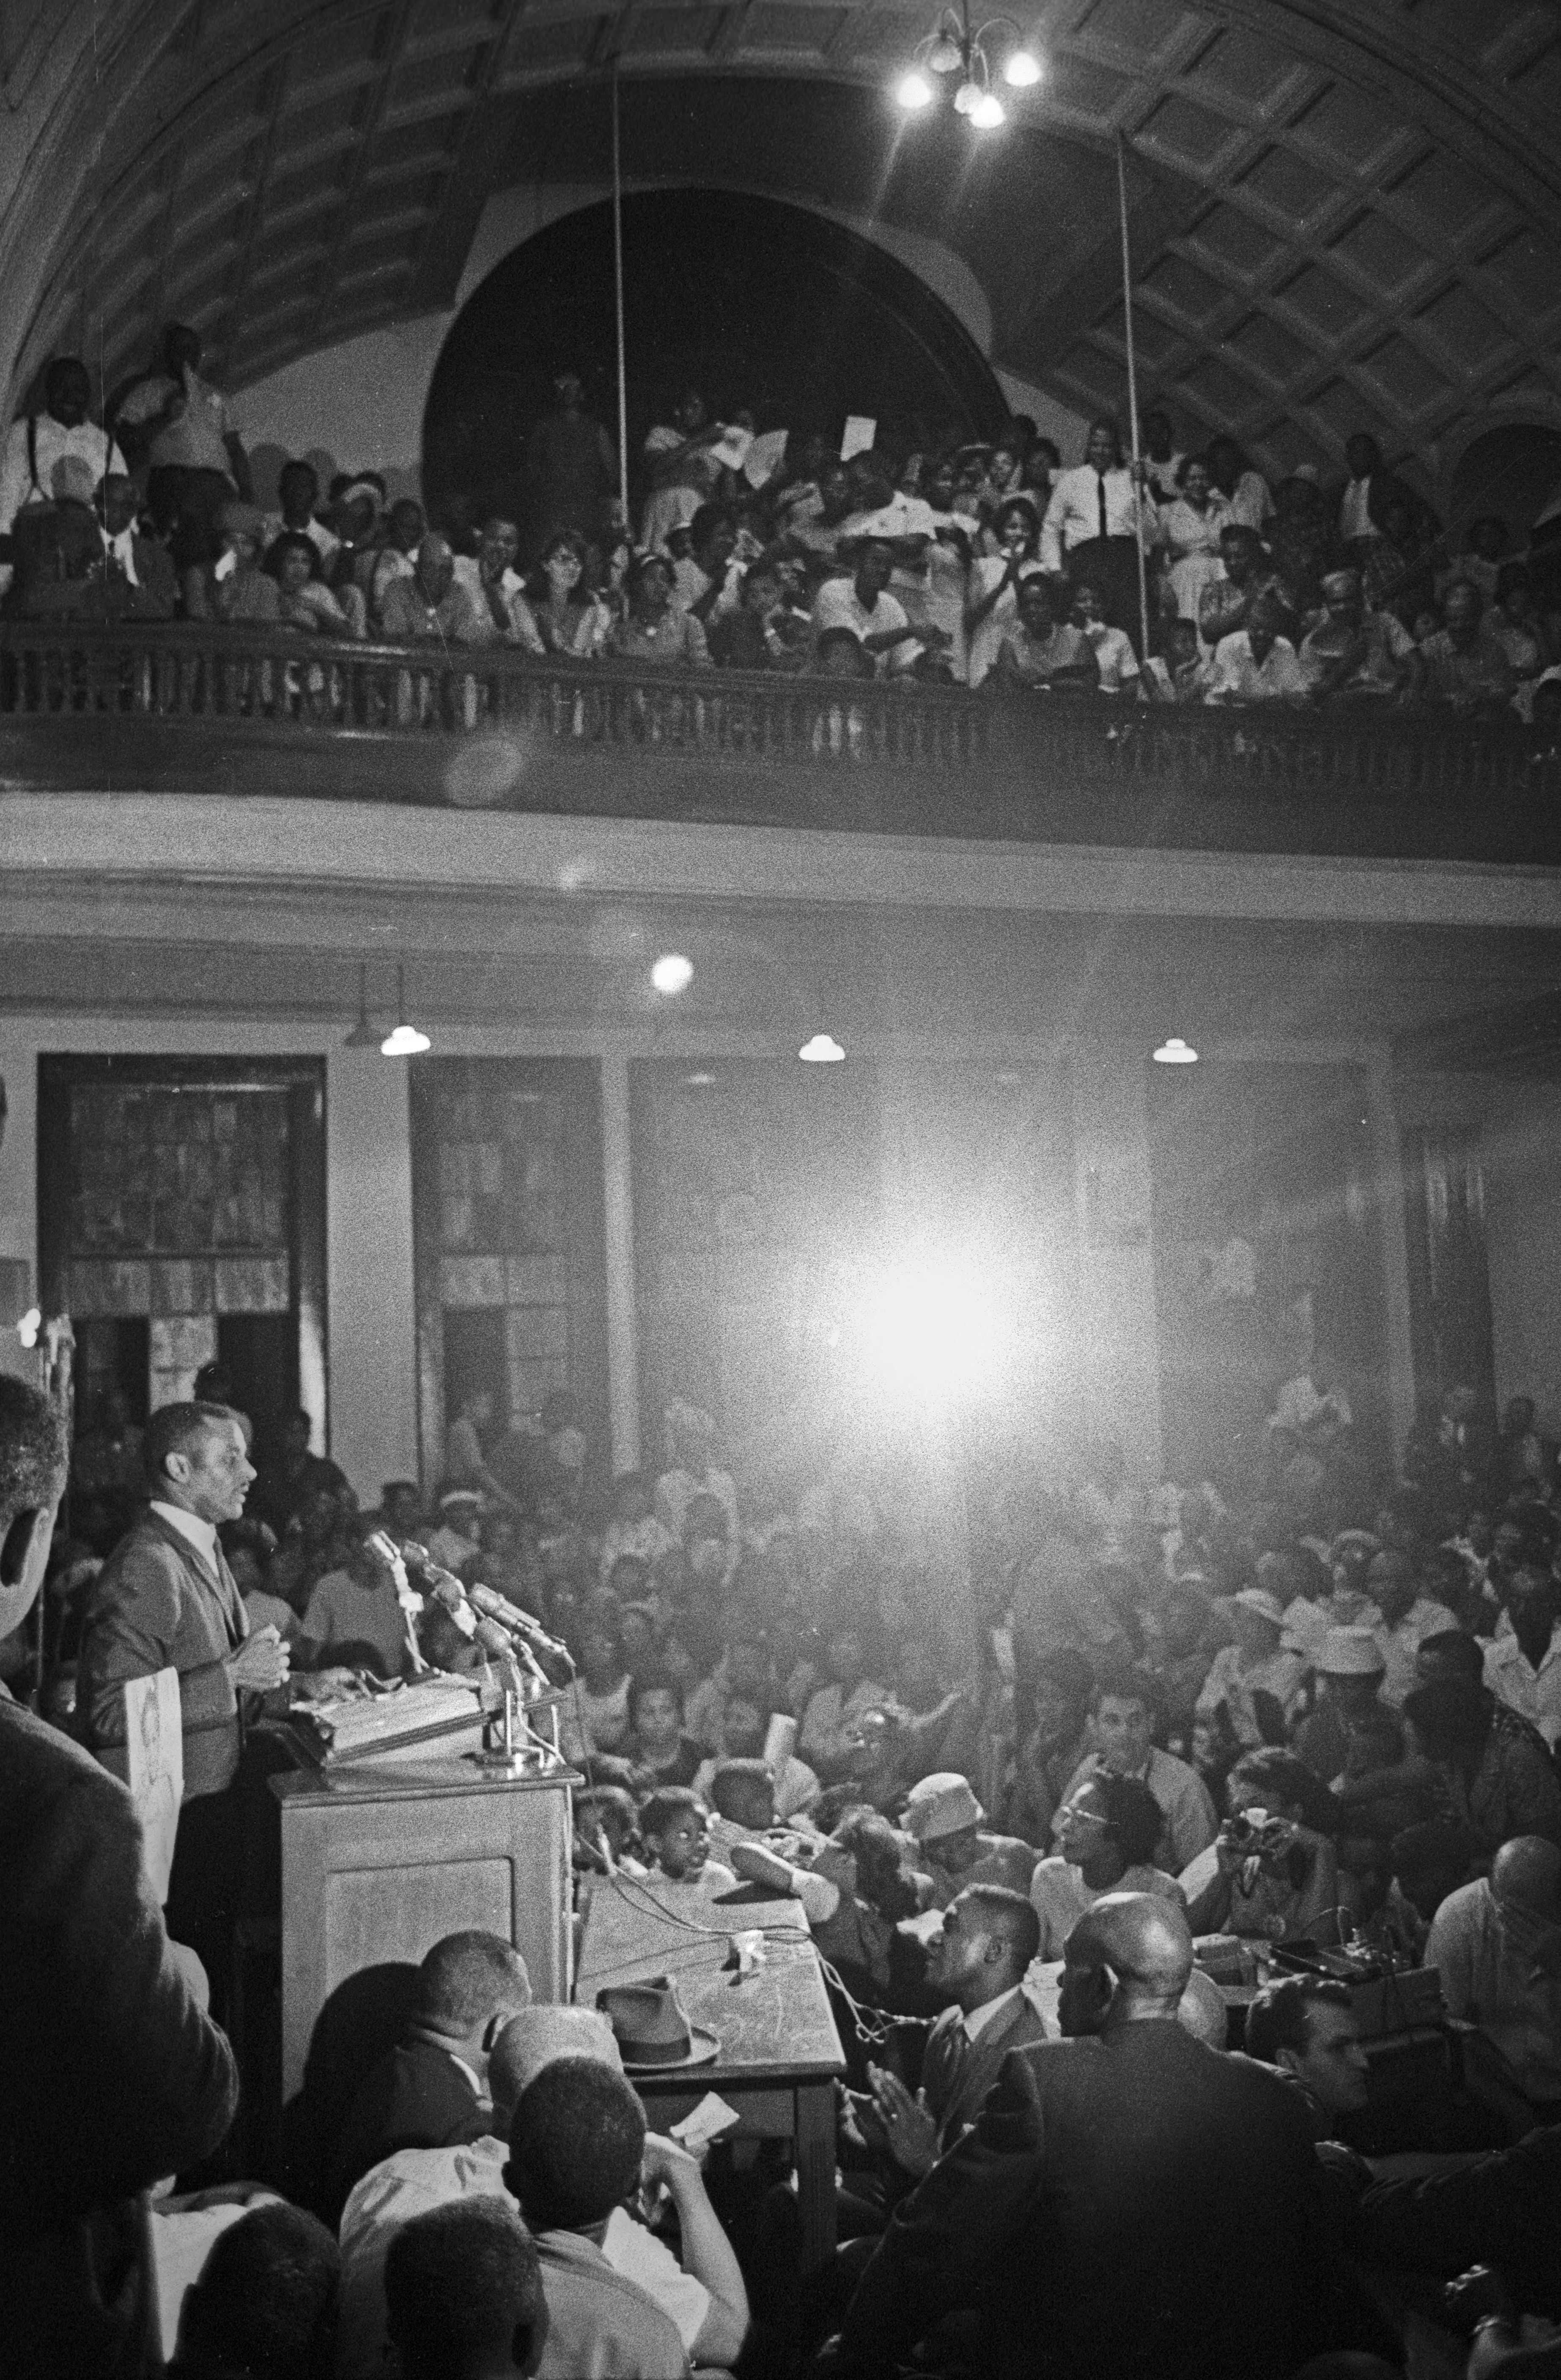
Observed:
{"x":954,"y":49}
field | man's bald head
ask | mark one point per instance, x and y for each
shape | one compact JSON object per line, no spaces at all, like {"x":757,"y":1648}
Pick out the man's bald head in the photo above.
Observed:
{"x":1143,"y":1944}
{"x":1526,"y":1875}
{"x":534,"y":2039}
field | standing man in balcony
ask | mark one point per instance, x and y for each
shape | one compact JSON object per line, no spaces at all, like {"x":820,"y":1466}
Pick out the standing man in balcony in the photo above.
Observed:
{"x":36,"y":442}
{"x":165,"y":1598}
{"x":1095,"y":522}
{"x":197,"y":457}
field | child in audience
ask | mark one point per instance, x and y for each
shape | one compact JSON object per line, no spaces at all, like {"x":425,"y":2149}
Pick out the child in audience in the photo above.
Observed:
{"x":675,"y":1829}
{"x":661,"y":1752}
{"x":604,"y":1823}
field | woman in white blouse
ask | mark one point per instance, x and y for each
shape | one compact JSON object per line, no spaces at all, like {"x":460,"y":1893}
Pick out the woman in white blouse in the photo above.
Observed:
{"x":1190,"y":525}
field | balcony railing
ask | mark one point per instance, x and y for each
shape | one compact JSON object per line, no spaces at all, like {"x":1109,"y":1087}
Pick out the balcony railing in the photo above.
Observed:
{"x":153,"y":708}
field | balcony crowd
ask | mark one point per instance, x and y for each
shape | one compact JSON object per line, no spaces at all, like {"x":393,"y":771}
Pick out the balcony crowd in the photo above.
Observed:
{"x":980,"y":564}
{"x":1195,"y":1735}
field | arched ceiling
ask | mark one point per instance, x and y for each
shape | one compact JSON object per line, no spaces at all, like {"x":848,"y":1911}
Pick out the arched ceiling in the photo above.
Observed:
{"x":1346,"y":213}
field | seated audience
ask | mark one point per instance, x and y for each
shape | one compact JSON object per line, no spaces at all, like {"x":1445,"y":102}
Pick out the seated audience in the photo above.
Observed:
{"x":1496,"y":1945}
{"x":495,"y":587}
{"x":1488,"y":1776}
{"x":306,"y":602}
{"x":1353,"y":651}
{"x":430,"y":2090}
{"x":1523,"y":1665}
{"x":427,"y":603}
{"x":1092,"y":2207}
{"x":655,"y":632}
{"x":1037,"y":650}
{"x":701,"y":2294}
{"x":233,"y":586}
{"x":662,"y":1755}
{"x":1115,"y":658}
{"x":860,"y":605}
{"x":977,"y":1966}
{"x":463,"y":2294}
{"x":825,"y":1737}
{"x":569,"y":619}
{"x":943,"y":1819}
{"x":1256,"y":1681}
{"x":1306,"y":2027}
{"x":264,"y":2306}
{"x":1465,"y":662}
{"x":1258,"y":663}
{"x":1122,"y":1718}
{"x":136,"y":575}
{"x":353,"y":1618}
{"x":1272,"y":1872}
{"x":674,"y":1830}
{"x":1106,"y":1834}
{"x":577,"y":2151}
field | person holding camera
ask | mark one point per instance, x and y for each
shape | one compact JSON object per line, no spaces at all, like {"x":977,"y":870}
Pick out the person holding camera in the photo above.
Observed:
{"x":1272,"y":1872}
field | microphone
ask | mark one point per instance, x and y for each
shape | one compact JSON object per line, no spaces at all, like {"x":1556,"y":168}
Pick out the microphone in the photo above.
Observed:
{"x":509,"y":1615}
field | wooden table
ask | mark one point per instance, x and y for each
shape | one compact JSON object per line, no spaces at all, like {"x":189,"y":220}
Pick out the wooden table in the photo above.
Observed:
{"x":780,"y":2052}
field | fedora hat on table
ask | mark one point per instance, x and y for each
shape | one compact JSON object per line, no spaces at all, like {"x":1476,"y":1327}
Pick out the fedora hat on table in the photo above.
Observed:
{"x":652,"y":2031}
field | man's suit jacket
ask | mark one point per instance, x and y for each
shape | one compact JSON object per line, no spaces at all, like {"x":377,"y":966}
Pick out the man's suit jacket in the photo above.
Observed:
{"x":417,"y":2097}
{"x":156,"y":1605}
{"x":110,"y":2075}
{"x":957,"y":2073}
{"x":1149,"y":2207}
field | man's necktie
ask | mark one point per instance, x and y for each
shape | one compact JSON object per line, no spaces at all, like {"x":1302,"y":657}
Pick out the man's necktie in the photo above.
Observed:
{"x":1100,"y":483}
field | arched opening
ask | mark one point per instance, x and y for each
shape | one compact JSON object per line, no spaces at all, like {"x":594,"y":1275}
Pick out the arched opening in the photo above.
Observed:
{"x":756,"y":303}
{"x":1514,"y":472}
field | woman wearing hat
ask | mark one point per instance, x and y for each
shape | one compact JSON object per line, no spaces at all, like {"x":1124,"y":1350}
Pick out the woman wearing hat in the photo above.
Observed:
{"x":1257,"y":1663}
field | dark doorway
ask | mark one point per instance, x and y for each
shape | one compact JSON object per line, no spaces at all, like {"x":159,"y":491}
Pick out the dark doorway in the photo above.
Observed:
{"x":260,"y":1353}
{"x":756,"y":303}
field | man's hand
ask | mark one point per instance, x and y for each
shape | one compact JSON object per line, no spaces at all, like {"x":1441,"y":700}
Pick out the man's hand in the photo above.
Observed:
{"x":261,"y":1663}
{"x":910,"y":2125}
{"x":666,"y":2161}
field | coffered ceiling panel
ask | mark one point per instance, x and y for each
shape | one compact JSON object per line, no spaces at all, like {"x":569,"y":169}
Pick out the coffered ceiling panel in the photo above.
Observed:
{"x":1346,"y":212}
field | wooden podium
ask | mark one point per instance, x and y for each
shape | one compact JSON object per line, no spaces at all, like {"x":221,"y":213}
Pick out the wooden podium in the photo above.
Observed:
{"x":380,"y":1862}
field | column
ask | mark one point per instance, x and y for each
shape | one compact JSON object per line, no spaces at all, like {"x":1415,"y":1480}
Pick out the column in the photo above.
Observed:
{"x":623,"y":1331}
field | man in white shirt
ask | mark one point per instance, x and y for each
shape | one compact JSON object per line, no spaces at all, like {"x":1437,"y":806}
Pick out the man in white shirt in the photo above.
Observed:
{"x":1256,"y":663}
{"x":1497,"y":1946}
{"x":710,"y":2313}
{"x":1354,"y":651}
{"x":1121,"y":1723}
{"x":1407,"y":1617}
{"x":197,"y":457}
{"x":1523,"y":1666}
{"x":1094,"y":521}
{"x":860,"y":604}
{"x":36,"y":442}
{"x":297,"y":493}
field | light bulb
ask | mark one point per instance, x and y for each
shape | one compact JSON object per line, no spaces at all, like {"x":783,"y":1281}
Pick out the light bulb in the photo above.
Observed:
{"x":672,"y":974}
{"x":405,"y":1042}
{"x":1175,"y":1051}
{"x":965,"y":98}
{"x":913,"y":90}
{"x":821,"y":1050}
{"x":1022,"y":69}
{"x":944,"y":55}
{"x":985,"y":112}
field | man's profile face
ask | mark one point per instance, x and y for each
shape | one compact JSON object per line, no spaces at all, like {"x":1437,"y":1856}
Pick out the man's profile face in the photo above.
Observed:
{"x":961,"y":1949}
{"x":1334,"y":2066}
{"x":1122,"y":1729}
{"x":215,"y":1474}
